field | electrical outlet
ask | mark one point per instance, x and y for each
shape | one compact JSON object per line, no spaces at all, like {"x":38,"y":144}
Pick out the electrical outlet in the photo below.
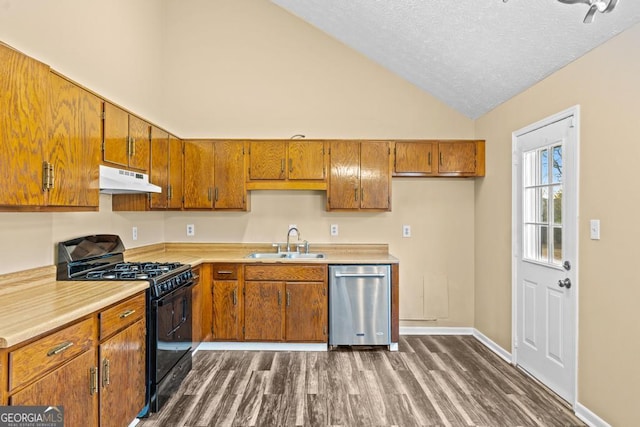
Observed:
{"x":134,"y":233}
{"x":406,"y":231}
{"x":334,"y":229}
{"x":191,"y":230}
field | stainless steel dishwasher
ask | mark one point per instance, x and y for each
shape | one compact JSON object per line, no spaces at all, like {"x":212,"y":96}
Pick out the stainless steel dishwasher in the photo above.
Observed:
{"x":359,"y":305}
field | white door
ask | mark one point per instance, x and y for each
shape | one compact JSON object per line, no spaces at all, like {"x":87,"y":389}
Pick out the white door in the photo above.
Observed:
{"x":545,"y":251}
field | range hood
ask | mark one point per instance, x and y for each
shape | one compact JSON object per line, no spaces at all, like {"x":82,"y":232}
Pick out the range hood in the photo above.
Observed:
{"x":121,"y":181}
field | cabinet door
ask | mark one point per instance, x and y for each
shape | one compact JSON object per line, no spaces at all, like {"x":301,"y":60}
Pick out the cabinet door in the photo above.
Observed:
{"x":198,"y":174}
{"x":306,"y":160}
{"x":176,"y":163}
{"x":159,"y":173}
{"x":122,"y":376}
{"x":457,"y":157}
{"x":375,"y":175}
{"x":24,"y":88}
{"x":116,"y":136}
{"x":267,"y":160}
{"x":140,"y":136}
{"x":229,"y":192}
{"x":226,"y":310}
{"x":413,"y":158}
{"x":306,"y":311}
{"x":68,"y":386}
{"x":344,"y":181}
{"x":75,"y":133}
{"x":263,"y":311}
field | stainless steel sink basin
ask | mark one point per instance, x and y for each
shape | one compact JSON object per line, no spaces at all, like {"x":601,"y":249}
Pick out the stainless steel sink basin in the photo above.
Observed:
{"x":285,"y":255}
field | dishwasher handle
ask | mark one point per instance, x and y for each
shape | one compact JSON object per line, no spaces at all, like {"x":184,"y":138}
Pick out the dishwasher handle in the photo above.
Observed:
{"x":338,"y":274}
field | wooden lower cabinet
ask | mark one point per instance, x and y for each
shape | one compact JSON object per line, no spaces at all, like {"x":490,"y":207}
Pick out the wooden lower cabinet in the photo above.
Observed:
{"x":226,"y":299}
{"x":67,"y":386}
{"x":122,"y":376}
{"x":264,"y":311}
{"x":306,"y":313}
{"x":97,"y":382}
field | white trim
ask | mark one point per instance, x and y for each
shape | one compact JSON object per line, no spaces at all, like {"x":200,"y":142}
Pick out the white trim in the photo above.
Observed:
{"x":491,"y":345}
{"x":575,"y":112}
{"x":261,"y":346}
{"x":434,"y":330}
{"x":589,"y":417}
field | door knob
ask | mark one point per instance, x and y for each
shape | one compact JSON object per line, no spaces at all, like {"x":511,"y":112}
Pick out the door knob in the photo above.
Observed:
{"x":566,"y":283}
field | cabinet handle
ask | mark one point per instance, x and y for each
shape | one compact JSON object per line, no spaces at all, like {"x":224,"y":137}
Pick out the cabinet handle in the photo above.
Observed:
{"x":279,"y":298}
{"x":133,"y":146}
{"x":209,"y":194}
{"x":282,"y":166}
{"x":59,"y":349}
{"x":235,"y":297}
{"x":440,"y":159}
{"x":106,"y":380}
{"x":290,"y":165}
{"x":129,"y":147}
{"x":362,"y":194}
{"x":169,"y":192}
{"x":215,"y":195}
{"x":225,"y":271}
{"x":429,"y":160}
{"x":127,"y":313}
{"x":355,"y":192}
{"x":288,"y":298}
{"x":93,"y":380}
{"x":51,"y":177}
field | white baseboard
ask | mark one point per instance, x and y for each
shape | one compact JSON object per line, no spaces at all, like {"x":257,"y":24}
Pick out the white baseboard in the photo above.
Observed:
{"x":589,"y":417}
{"x":261,"y":346}
{"x":491,"y":345}
{"x":429,"y":330}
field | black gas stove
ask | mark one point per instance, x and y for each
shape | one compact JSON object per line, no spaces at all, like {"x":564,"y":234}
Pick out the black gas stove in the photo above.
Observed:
{"x":169,"y":332}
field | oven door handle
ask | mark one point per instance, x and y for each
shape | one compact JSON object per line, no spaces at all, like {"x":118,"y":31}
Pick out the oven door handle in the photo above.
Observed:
{"x":184,"y":317}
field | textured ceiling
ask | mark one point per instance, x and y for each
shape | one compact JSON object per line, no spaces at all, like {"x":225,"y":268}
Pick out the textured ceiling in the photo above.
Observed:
{"x":471,"y":54}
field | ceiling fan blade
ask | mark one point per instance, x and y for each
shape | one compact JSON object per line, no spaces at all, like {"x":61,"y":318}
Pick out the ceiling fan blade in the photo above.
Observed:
{"x":588,"y":19}
{"x":612,"y":5}
{"x":588,"y":2}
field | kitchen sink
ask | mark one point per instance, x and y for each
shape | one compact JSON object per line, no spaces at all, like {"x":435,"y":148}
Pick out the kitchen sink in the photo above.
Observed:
{"x":285,"y":255}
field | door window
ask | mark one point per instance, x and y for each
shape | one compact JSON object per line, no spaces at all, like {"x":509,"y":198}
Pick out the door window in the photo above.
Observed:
{"x":542,"y":197}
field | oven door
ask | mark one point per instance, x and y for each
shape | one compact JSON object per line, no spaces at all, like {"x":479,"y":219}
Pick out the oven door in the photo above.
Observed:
{"x":173,"y":330}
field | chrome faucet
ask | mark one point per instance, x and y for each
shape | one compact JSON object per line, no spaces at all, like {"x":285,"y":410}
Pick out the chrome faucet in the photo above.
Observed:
{"x":289,"y":235}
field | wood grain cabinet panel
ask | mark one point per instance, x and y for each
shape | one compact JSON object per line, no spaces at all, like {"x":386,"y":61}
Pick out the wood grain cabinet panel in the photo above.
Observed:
{"x":176,"y":173}
{"x":159,"y":168}
{"x":30,"y":361}
{"x":264,"y":311}
{"x":229,"y":178}
{"x":227,"y":301}
{"x":122,"y":376}
{"x":198,"y":174}
{"x":360,"y":176}
{"x":127,"y":139}
{"x":267,"y":160}
{"x":414,"y":158}
{"x":457,"y":157}
{"x":70,"y":387}
{"x":306,"y":312}
{"x":306,"y":160}
{"x":121,"y":315}
{"x":24,"y":89}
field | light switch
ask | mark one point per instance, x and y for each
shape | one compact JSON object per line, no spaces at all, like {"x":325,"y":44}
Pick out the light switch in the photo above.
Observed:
{"x":595,"y":229}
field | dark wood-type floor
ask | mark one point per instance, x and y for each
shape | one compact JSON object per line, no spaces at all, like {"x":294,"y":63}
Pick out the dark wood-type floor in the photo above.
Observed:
{"x":430,"y":381}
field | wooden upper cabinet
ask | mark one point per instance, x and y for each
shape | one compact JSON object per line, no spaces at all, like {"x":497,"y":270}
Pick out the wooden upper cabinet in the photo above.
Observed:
{"x":127,"y":139}
{"x":176,"y":173}
{"x":159,"y":174}
{"x":198,"y":174}
{"x":267,"y":160}
{"x":360,"y":175}
{"x":287,"y":165}
{"x":455,"y":158}
{"x":24,"y":97}
{"x":306,"y":160}
{"x":229,"y":178}
{"x":73,"y":148}
{"x":414,"y":158}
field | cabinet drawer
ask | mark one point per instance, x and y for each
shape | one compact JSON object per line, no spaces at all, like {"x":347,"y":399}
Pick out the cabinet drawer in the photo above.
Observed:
{"x":32,"y":360}
{"x":225,"y":271}
{"x":288,"y":273}
{"x":121,"y":315}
